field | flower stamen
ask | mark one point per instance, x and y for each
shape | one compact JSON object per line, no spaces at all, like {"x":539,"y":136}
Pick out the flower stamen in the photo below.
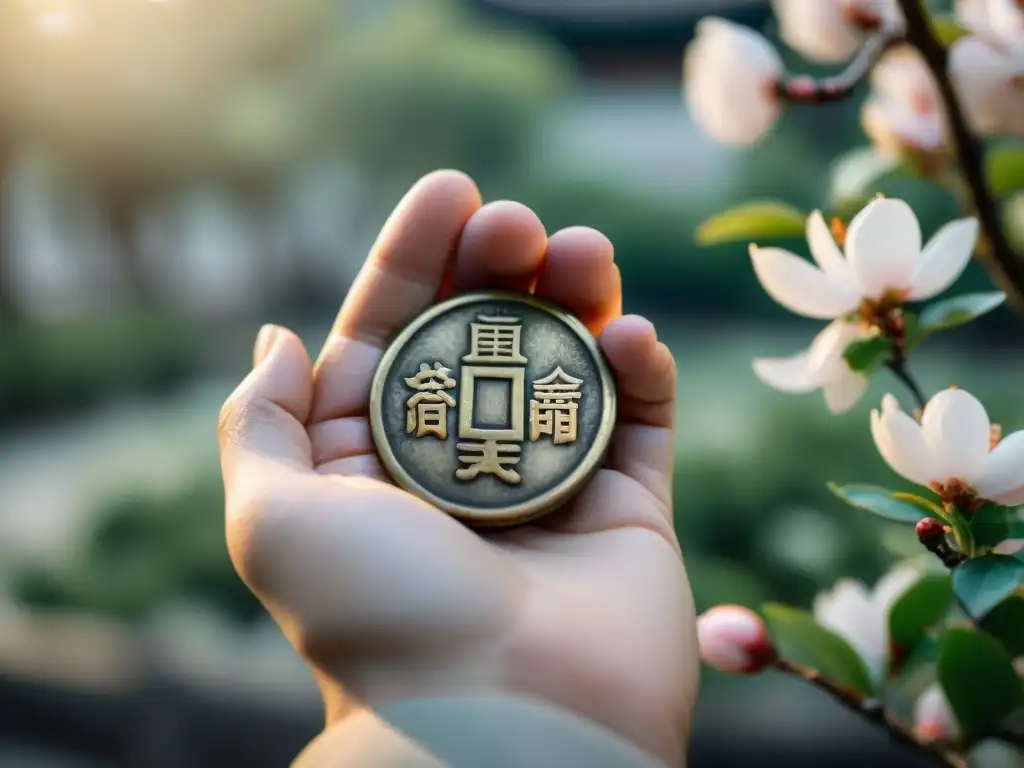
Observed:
{"x":956,"y":493}
{"x":838,"y":228}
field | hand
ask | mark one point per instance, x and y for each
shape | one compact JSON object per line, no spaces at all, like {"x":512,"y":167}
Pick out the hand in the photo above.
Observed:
{"x":385,"y":596}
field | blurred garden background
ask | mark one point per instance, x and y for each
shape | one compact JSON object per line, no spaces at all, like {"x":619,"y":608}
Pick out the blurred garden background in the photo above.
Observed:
{"x":177,"y":172}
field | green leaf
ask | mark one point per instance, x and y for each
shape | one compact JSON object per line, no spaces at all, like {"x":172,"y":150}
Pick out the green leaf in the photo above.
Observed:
{"x":913,"y":332}
{"x":856,"y":173}
{"x":1005,"y":622}
{"x":928,"y":508}
{"x":981,"y":583}
{"x":879,"y":501}
{"x":801,"y":639}
{"x":865,"y":355}
{"x":976,"y":673}
{"x":990,"y":525}
{"x":1004,"y":167}
{"x":915,"y":612}
{"x":765,"y":219}
{"x":952,"y":313}
{"x":947,"y":29}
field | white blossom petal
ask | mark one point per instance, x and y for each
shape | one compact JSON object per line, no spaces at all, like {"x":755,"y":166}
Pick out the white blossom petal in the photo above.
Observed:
{"x":818,"y":30}
{"x":849,"y":611}
{"x":944,"y":259}
{"x":973,"y":15}
{"x":892,"y":586}
{"x":1006,"y":21}
{"x":801,"y":287}
{"x":1004,"y":469}
{"x":825,"y":354}
{"x":787,"y":374}
{"x":957,"y":430}
{"x":901,"y":443}
{"x":904,"y":109}
{"x":825,"y":251}
{"x":883,"y":244}
{"x":1014,"y":498}
{"x":982,"y":75}
{"x":933,"y":716}
{"x":845,"y":391}
{"x":729,"y":75}
{"x":1009,"y":547}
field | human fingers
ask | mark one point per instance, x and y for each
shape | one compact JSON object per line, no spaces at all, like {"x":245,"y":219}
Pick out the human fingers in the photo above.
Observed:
{"x":644,"y":444}
{"x":261,"y":428}
{"x":401,"y":277}
{"x":579,"y":273}
{"x":502,"y":248}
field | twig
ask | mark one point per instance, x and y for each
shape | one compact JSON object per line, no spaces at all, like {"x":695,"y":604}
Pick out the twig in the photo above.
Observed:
{"x":898,"y":365}
{"x":1006,"y":268}
{"x":874,"y":711}
{"x":803,"y":89}
{"x":893,"y":325}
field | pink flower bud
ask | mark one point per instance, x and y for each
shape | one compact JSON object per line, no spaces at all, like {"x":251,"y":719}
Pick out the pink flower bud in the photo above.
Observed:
{"x":933,"y":718}
{"x":735,"y":640}
{"x":930,"y":531}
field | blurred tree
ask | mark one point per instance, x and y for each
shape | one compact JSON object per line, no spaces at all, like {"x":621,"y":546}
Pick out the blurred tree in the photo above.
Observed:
{"x":144,"y":552}
{"x":139,"y":98}
{"x":423,"y":85}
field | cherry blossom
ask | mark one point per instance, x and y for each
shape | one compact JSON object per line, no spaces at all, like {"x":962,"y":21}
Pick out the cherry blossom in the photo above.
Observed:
{"x":831,"y":30}
{"x":903,"y":113}
{"x":884,"y":263}
{"x":989,"y":79}
{"x":951,"y":450}
{"x":731,"y":76}
{"x":820,"y":366}
{"x":1001,"y":21}
{"x":861,"y":617}
{"x":735,"y":640}
{"x":987,"y":67}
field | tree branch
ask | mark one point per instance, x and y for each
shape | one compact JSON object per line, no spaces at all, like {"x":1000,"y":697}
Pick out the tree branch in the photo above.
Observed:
{"x":874,"y":711}
{"x":1006,"y":269}
{"x":804,"y":89}
{"x":898,"y":365}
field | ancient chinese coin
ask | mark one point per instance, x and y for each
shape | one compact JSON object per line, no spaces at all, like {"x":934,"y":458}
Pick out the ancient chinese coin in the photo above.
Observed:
{"x":495,"y":407}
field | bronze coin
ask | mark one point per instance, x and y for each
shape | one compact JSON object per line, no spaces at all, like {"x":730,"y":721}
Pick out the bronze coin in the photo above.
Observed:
{"x":495,"y":407}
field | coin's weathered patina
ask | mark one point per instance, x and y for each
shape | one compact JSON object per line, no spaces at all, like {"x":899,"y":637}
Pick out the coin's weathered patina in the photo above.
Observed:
{"x":495,"y":407}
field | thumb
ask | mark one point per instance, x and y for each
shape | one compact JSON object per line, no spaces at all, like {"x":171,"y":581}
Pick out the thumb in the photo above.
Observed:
{"x":261,"y":426}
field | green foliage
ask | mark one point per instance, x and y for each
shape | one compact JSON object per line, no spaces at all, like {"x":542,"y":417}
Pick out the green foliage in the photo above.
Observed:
{"x":916,"y":611}
{"x":981,"y":583}
{"x":1005,"y":622}
{"x":865,"y":355}
{"x":990,"y":525}
{"x":428,"y":86}
{"x":946,"y":28}
{"x":1004,"y":167}
{"x":881,"y":502}
{"x":57,"y":366}
{"x":957,"y":311}
{"x":800,"y":638}
{"x":764,"y":219}
{"x":144,"y":551}
{"x":976,"y":673}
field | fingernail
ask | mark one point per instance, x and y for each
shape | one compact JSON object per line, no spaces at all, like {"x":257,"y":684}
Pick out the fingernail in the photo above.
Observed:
{"x":264,"y":343}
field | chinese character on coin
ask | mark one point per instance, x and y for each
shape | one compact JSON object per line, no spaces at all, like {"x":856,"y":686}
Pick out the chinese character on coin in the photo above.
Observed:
{"x":495,"y":407}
